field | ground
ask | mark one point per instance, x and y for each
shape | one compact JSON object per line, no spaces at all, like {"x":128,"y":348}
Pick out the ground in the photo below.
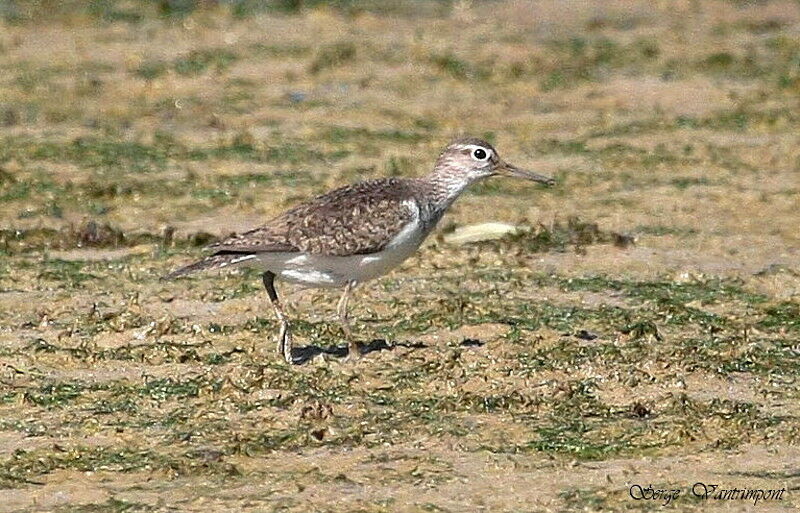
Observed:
{"x":641,"y":328}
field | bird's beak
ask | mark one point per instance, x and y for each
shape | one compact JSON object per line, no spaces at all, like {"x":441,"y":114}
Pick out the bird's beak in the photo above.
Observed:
{"x":506,"y":169}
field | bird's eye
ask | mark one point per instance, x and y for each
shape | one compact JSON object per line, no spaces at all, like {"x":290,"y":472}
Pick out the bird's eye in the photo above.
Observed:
{"x":480,"y":154}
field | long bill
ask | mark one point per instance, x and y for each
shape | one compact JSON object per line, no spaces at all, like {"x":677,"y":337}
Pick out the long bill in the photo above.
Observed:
{"x":510,"y":170}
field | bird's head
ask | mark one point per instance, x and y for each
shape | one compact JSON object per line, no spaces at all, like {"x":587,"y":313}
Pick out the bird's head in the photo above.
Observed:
{"x":475,"y":159}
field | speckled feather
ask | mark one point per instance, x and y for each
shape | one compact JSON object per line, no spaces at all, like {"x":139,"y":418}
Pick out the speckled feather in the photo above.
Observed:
{"x":353,"y":220}
{"x":356,"y":219}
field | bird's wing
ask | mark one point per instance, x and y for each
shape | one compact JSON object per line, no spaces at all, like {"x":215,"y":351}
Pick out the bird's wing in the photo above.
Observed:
{"x":358,"y":219}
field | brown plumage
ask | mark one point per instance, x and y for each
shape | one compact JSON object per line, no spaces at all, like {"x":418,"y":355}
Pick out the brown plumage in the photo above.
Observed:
{"x":356,"y":219}
{"x":353,"y":220}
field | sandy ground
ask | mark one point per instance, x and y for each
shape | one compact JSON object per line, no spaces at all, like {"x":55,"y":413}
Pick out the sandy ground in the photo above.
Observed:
{"x":547,"y":372}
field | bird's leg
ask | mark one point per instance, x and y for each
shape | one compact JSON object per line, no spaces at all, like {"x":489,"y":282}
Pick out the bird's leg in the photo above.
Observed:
{"x":353,"y":350}
{"x":285,"y":335}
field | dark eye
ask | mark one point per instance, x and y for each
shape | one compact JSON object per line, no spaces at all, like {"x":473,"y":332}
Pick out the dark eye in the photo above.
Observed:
{"x":479,"y":154}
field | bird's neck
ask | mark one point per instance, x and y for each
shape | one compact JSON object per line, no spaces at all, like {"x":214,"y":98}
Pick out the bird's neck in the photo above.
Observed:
{"x":442,"y":187}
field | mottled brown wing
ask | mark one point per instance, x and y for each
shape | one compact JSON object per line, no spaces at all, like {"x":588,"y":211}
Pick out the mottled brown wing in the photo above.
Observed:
{"x":358,"y":219}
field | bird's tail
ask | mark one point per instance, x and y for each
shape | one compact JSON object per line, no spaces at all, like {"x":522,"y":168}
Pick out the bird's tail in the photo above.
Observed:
{"x":210,"y":263}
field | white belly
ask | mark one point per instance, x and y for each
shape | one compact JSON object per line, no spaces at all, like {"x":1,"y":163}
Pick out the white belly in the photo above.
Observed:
{"x":334,"y":271}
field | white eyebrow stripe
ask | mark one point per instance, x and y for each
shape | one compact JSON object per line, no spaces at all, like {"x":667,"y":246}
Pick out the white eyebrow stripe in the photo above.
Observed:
{"x":473,"y":147}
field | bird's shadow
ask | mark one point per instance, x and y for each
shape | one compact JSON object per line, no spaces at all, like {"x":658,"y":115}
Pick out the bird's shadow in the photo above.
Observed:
{"x":304,"y":354}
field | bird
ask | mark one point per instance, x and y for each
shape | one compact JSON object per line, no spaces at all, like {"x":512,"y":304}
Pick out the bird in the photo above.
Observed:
{"x":355,"y":233}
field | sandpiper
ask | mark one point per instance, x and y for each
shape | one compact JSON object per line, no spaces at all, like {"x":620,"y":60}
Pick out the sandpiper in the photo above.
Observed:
{"x":357,"y":232}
